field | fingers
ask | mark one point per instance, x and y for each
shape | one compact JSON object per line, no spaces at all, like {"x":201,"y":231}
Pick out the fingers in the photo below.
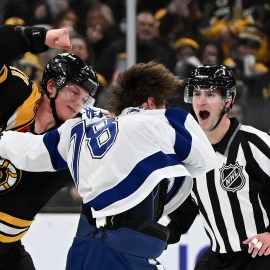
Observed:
{"x":259,"y":245}
{"x":252,"y":244}
{"x":255,"y":247}
{"x":255,"y":241}
{"x":63,"y":43}
{"x":262,"y":249}
{"x":267,"y":251}
{"x":58,"y":38}
{"x":63,"y":40}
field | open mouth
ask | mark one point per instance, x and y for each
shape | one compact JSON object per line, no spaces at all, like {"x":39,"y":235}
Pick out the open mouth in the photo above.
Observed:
{"x":204,"y":115}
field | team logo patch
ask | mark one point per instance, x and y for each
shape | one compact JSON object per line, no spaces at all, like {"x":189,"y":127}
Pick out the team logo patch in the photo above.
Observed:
{"x":231,"y":177}
{"x":9,"y":176}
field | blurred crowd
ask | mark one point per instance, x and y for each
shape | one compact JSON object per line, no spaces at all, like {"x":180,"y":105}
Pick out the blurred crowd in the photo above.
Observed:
{"x":181,"y":34}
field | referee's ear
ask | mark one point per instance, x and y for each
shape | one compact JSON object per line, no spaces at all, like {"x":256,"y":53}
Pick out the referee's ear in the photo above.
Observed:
{"x":228,"y":103}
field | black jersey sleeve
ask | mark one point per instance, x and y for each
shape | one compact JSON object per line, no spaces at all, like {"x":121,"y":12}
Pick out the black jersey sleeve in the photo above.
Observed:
{"x":16,"y":40}
{"x":182,"y":219}
{"x":15,"y":88}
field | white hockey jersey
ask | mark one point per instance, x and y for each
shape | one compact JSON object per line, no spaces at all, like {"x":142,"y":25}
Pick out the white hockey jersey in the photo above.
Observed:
{"x":117,"y":162}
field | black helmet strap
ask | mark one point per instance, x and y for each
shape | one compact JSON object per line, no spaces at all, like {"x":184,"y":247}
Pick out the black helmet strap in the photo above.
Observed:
{"x":54,"y":112}
{"x":224,"y":111}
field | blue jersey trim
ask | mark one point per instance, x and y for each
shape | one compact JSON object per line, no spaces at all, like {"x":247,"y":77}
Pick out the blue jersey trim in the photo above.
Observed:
{"x":183,"y":143}
{"x":51,"y":140}
{"x":134,"y":180}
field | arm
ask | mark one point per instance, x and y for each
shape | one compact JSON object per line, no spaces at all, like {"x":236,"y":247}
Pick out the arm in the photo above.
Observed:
{"x":191,"y":144}
{"x":181,"y":219}
{"x":15,"y":87}
{"x":26,"y":151}
{"x":17,"y":40}
{"x":36,"y":153}
{"x":202,"y":157}
{"x":259,"y":162}
{"x":47,"y":152}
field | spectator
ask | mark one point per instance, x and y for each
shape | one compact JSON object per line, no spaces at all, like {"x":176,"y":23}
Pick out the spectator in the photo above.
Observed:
{"x":244,"y":59}
{"x":210,"y":52}
{"x":68,"y":19}
{"x":258,"y":100}
{"x":186,"y":49}
{"x":101,"y":28}
{"x":82,"y":48}
{"x":31,"y":11}
{"x":148,"y":48}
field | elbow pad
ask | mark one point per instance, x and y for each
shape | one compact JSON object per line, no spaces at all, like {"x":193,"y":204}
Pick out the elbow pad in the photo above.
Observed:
{"x":34,"y":37}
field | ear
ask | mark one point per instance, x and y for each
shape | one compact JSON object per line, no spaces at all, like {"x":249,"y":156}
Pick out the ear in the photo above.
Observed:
{"x":151,"y":103}
{"x":51,"y":88}
{"x":229,"y":102}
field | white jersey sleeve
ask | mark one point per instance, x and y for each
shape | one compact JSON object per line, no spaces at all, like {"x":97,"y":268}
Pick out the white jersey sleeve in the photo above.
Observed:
{"x":26,"y":151}
{"x":46,"y":152}
{"x":202,"y":157}
{"x":193,"y":150}
{"x":36,"y":153}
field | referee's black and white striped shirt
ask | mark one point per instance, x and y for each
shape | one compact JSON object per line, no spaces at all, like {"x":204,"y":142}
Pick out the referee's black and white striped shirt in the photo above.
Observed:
{"x":234,"y":200}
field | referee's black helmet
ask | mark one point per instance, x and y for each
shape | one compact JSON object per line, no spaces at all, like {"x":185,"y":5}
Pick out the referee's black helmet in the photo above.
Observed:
{"x":212,"y":77}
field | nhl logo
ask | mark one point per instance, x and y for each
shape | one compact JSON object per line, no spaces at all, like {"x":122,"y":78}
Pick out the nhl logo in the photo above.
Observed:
{"x":231,"y":177}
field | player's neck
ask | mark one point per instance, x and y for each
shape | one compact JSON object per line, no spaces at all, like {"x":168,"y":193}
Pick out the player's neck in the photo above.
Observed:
{"x":44,"y":119}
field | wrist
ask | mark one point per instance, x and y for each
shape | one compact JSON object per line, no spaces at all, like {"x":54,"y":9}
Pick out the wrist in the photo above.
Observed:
{"x":34,"y":37}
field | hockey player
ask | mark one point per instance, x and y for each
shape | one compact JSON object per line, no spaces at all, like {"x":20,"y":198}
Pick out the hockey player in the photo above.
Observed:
{"x":233,"y":199}
{"x":129,"y":170}
{"x":67,"y":85}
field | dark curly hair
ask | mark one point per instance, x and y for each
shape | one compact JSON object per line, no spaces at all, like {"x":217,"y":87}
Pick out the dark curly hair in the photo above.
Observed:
{"x":135,"y":85}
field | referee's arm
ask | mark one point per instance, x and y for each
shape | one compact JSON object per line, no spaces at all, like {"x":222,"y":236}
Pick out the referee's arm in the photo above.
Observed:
{"x":181,"y":219}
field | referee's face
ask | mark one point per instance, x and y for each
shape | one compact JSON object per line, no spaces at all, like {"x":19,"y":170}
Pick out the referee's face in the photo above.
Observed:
{"x":208,"y":105}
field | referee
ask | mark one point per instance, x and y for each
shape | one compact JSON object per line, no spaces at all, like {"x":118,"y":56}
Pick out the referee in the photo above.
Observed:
{"x":234,"y":199}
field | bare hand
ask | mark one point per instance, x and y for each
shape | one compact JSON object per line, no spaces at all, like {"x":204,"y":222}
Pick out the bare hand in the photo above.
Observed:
{"x":259,"y":244}
{"x":58,"y":39}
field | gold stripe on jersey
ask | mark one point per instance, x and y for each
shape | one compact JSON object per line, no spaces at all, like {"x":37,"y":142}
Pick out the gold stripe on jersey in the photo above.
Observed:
{"x":25,"y":114}
{"x":14,"y":221}
{"x":18,"y":73}
{"x":18,"y":70}
{"x":3,"y":74}
{"x":10,"y":239}
{"x":12,"y":228}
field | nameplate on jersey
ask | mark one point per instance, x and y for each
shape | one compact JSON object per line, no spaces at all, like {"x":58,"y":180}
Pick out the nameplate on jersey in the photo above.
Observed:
{"x":231,"y":177}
